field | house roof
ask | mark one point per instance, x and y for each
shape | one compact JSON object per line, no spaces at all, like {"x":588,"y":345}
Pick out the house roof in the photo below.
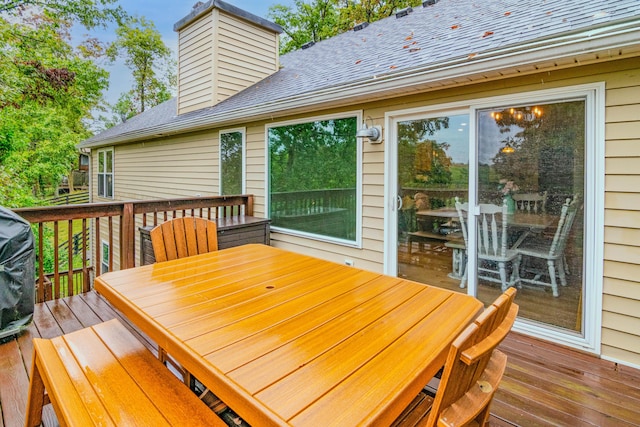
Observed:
{"x":451,"y":42}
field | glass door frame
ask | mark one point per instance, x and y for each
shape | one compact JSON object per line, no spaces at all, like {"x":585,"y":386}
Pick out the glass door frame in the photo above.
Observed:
{"x":593,"y":270}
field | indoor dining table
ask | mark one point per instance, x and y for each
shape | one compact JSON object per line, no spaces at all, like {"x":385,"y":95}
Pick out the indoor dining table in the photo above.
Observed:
{"x":289,"y":339}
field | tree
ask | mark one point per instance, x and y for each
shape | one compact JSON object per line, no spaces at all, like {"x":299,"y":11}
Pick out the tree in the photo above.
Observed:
{"x":47,"y":91}
{"x":308,"y":22}
{"x":89,"y":13}
{"x":322,"y":19}
{"x":313,"y":156}
{"x":145,"y":54}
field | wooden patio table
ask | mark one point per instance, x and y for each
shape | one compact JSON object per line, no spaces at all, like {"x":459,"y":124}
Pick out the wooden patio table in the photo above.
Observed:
{"x":288,"y":339}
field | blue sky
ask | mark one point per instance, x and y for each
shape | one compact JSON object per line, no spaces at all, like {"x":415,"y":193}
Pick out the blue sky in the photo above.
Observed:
{"x":165,"y":13}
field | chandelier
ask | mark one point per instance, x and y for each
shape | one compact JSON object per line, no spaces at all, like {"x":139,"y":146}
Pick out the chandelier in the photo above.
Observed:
{"x":526,"y":114}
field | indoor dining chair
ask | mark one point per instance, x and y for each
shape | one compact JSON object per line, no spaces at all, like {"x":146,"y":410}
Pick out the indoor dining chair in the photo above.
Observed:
{"x":550,"y":250}
{"x":471,"y":375}
{"x":494,"y":255}
{"x":182,"y":237}
{"x":531,"y":202}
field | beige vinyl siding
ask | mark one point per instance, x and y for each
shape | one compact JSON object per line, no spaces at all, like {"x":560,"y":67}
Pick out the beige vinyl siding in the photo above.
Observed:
{"x":220,"y":55}
{"x":245,"y":54}
{"x":621,"y":299}
{"x":169,"y":168}
{"x":195,"y":65}
{"x":254,"y":169}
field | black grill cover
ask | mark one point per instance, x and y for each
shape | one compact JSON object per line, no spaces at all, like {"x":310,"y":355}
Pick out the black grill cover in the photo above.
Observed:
{"x":17,"y":273}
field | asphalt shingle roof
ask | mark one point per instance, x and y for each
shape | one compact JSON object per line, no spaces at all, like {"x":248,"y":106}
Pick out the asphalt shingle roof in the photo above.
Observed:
{"x":450,"y":30}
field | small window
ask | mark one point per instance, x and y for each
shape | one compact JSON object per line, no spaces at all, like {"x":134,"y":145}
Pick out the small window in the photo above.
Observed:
{"x":314,"y":178}
{"x":105,"y":173}
{"x":104,"y":264}
{"x":231,"y":162}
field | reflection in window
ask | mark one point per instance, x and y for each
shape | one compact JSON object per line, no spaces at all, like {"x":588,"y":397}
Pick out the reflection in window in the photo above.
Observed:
{"x":537,"y":148}
{"x":433,"y":166}
{"x":231,"y":163}
{"x":314,"y":176}
{"x":530,"y":151}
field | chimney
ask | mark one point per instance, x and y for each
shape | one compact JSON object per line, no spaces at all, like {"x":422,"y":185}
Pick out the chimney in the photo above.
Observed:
{"x":221,"y":51}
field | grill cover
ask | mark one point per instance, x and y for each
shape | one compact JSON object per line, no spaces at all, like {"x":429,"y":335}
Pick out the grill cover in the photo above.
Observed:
{"x":17,"y":273}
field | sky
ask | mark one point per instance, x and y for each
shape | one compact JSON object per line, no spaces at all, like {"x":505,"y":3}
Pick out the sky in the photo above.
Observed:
{"x":165,"y":13}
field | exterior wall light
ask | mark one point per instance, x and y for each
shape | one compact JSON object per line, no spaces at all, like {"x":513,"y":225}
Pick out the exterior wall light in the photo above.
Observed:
{"x":373,"y":133}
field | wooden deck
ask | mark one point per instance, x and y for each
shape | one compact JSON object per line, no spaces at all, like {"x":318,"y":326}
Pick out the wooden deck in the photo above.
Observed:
{"x":544,"y":384}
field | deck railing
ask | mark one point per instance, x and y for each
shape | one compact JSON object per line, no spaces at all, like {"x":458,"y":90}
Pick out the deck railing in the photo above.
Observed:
{"x":113,"y":222}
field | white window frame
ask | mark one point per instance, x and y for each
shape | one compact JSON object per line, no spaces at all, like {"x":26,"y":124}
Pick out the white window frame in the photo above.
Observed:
{"x":357,"y":243}
{"x":104,"y":256}
{"x":103,"y":175}
{"x":243,"y":132}
{"x":593,"y":265}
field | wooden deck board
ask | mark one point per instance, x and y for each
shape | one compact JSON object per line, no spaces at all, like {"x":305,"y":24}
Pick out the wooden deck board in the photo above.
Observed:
{"x":544,"y":384}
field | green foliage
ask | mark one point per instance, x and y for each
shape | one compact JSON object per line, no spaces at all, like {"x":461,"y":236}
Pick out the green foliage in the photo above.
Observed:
{"x":48,"y":260}
{"x":47,"y":91}
{"x":321,"y":19}
{"x":231,"y":163}
{"x":313,"y":156}
{"x":149,"y":59}
{"x":90,"y":13}
{"x":424,"y":162}
{"x":353,"y":13}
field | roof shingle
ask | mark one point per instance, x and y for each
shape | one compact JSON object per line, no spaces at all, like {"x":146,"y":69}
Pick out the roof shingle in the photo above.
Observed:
{"x":450,"y":30}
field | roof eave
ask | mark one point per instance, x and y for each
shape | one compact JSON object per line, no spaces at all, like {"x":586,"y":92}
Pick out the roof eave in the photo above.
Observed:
{"x":609,"y":41}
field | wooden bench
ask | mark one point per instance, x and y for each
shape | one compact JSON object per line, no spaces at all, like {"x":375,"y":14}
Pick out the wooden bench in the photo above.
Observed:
{"x":102,"y":375}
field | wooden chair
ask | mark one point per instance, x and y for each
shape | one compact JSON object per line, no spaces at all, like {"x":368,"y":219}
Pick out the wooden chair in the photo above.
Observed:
{"x":102,"y":375}
{"x":182,"y":237}
{"x":179,"y":238}
{"x":549,"y":250}
{"x":531,"y":202}
{"x":492,"y":244}
{"x":471,"y":375}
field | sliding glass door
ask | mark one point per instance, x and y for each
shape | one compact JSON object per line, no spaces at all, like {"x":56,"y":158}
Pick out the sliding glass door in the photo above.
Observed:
{"x":501,"y":193}
{"x":531,"y":159}
{"x":433,"y":171}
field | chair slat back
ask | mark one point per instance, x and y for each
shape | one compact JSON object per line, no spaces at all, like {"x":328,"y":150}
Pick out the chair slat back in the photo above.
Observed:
{"x":567,"y":215}
{"x":531,"y":202}
{"x":182,"y":237}
{"x":470,"y":354}
{"x":492,"y":231}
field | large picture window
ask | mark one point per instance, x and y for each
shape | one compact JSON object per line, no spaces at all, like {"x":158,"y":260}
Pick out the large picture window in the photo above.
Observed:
{"x":314,"y":178}
{"x":105,"y":173}
{"x":231,"y":162}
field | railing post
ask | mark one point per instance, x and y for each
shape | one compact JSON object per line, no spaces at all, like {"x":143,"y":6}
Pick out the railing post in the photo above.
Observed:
{"x":249,"y":209}
{"x":127,"y":238}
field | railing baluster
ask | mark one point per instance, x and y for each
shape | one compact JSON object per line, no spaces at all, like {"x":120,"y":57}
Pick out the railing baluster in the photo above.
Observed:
{"x":110,"y":221}
{"x":70,"y":257}
{"x":40,"y":262}
{"x":56,"y":270}
{"x":98,"y":260}
{"x":85,"y":271}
